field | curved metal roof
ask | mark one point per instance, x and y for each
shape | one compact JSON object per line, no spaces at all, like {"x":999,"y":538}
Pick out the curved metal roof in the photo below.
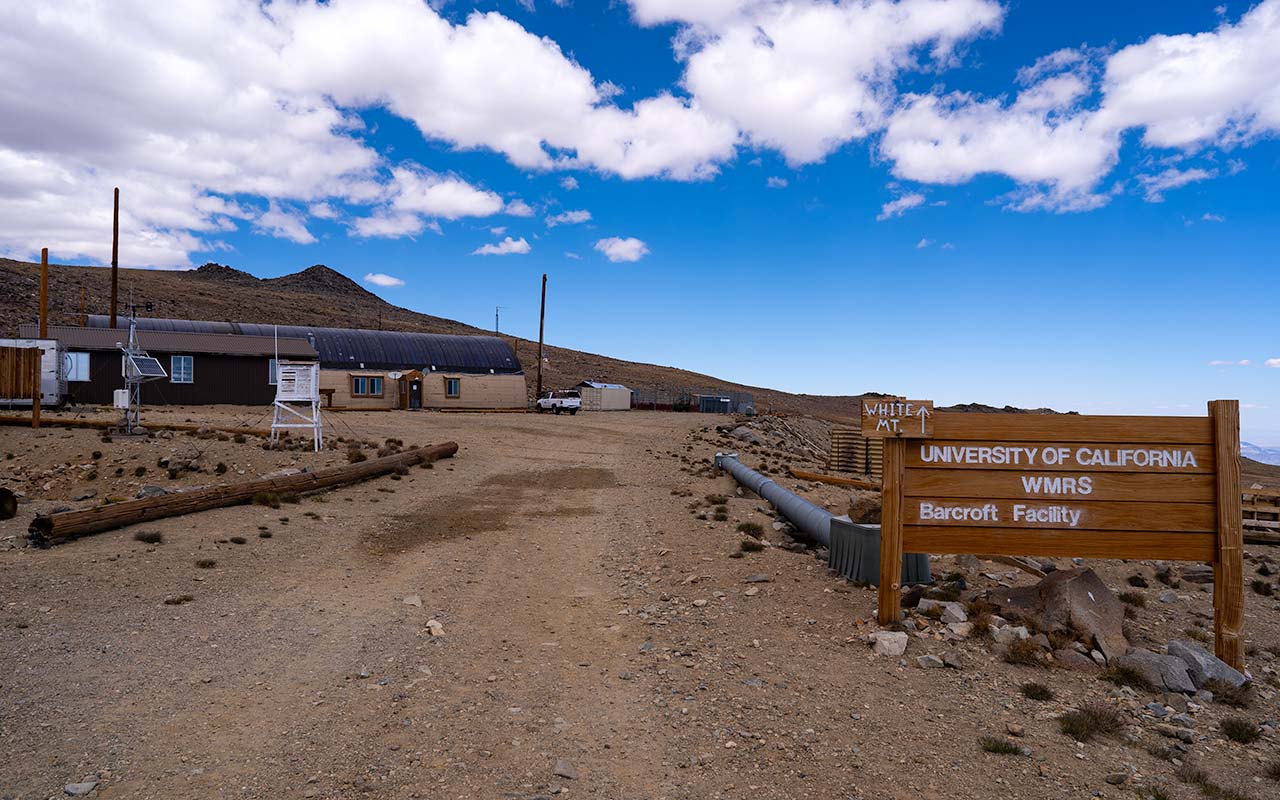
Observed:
{"x":363,"y":349}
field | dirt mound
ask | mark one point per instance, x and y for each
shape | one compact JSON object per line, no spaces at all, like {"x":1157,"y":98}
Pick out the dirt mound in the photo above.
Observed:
{"x":319,"y":279}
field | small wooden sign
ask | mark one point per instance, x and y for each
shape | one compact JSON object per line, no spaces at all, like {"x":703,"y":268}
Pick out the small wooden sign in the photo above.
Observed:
{"x":897,"y":419}
{"x":1067,"y":485}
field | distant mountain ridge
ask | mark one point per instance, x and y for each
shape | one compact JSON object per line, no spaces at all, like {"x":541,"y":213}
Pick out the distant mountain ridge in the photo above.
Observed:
{"x":1267,"y":455}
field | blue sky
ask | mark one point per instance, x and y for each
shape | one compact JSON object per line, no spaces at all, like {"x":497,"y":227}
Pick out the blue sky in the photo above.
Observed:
{"x":1017,"y":203}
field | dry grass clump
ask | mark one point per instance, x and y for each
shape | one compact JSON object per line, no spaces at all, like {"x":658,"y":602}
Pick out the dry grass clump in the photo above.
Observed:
{"x":149,"y":537}
{"x":1241,"y":730}
{"x":1133,"y":599}
{"x":1023,"y":651}
{"x":752,"y":529}
{"x":1262,"y":587}
{"x":206,"y":563}
{"x":1229,"y":695}
{"x":1137,"y":581}
{"x":1125,"y":675}
{"x":999,"y":745}
{"x":238,"y":540}
{"x":270,"y":499}
{"x":1036,"y":691}
{"x":1090,"y":720}
{"x":1272,"y":770}
{"x":356,"y":456}
{"x":178,"y":600}
{"x":750,"y":546}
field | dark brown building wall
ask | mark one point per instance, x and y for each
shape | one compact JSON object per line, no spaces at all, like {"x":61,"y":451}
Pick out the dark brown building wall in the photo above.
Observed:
{"x":236,"y":380}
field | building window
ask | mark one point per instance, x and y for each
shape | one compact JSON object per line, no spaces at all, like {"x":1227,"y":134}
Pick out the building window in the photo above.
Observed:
{"x":76,"y":366}
{"x":366,"y":386}
{"x":452,"y":387}
{"x":181,"y":369}
{"x":273,"y":371}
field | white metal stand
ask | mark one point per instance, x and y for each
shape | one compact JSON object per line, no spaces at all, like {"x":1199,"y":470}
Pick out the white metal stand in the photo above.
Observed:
{"x":292,"y":415}
{"x":297,"y":403}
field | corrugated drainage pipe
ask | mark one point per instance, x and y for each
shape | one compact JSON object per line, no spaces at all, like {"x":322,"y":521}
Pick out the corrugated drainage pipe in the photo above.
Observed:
{"x":853,"y":550}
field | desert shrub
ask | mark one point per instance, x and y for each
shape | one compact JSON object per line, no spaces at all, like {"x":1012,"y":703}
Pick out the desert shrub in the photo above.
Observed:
{"x":720,"y":516}
{"x":751,"y":529}
{"x":138,"y":472}
{"x":1265,"y":570}
{"x":1262,"y":587}
{"x":1090,"y":720}
{"x":1239,"y":729}
{"x":356,"y":456}
{"x":1272,"y":770}
{"x":221,"y":469}
{"x":149,"y":537}
{"x":1036,"y":691}
{"x":1228,"y":694}
{"x":999,"y":745}
{"x":178,"y":600}
{"x":750,"y":546}
{"x":264,"y":534}
{"x":206,"y":563}
{"x":290,"y":497}
{"x":270,"y":499}
{"x":238,"y":540}
{"x":1023,"y":651}
{"x":716,"y":499}
{"x":1138,"y":582}
{"x":1133,"y":599}
{"x":238,"y":438}
{"x":1124,"y":675}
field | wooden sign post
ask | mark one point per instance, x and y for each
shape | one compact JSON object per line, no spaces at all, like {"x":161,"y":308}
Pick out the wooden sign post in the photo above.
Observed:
{"x":1068,"y":485}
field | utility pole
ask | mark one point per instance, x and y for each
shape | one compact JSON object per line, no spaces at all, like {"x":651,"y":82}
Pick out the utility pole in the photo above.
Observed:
{"x":542,"y":316}
{"x":44,"y":293}
{"x":115,"y":255}
{"x":495,"y":318}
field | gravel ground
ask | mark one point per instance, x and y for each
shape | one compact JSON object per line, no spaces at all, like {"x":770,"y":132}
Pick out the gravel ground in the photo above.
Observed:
{"x":546,"y":602}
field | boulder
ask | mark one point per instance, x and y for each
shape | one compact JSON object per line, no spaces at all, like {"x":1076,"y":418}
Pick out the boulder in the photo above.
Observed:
{"x":930,"y":662}
{"x":1162,"y":672}
{"x":745,"y":434}
{"x":1197,"y":573}
{"x":1009,"y":634}
{"x":949,"y":611}
{"x":1075,"y":602}
{"x":1204,"y":666}
{"x":864,"y":507}
{"x":1076,"y":662}
{"x":889,"y":643}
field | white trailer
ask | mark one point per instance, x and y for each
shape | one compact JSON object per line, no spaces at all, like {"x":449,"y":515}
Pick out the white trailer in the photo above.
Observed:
{"x":53,"y":374}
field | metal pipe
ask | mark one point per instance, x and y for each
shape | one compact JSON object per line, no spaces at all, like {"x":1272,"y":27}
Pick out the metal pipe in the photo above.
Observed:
{"x":813,"y":521}
{"x":115,"y":253}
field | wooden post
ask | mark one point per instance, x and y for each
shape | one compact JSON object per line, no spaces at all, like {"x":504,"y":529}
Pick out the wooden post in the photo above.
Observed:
{"x":890,"y":589}
{"x":1228,"y":567}
{"x":36,"y":394}
{"x":542,"y":316}
{"x":115,"y":255}
{"x":44,"y":293}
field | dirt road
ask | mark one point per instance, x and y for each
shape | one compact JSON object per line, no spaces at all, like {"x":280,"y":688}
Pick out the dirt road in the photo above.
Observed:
{"x":592,"y":626}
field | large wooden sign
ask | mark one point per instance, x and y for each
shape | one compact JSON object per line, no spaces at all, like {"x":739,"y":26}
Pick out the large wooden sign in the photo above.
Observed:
{"x":890,"y":417}
{"x":1067,"y":485}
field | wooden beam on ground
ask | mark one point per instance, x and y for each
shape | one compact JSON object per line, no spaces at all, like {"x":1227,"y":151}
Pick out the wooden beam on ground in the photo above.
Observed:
{"x":834,"y":480}
{"x":46,"y":530}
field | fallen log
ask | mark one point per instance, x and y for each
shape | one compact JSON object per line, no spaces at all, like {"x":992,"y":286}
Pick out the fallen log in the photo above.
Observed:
{"x":50,"y":529}
{"x":834,"y":480}
{"x":106,"y":424}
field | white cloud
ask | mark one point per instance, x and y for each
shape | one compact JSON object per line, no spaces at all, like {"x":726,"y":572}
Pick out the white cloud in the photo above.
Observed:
{"x":506,"y":247}
{"x":1273,"y":362}
{"x":519,"y":208}
{"x":421,"y":191}
{"x":775,"y":182}
{"x":574,"y":256}
{"x":498,"y":230}
{"x":382,"y":279}
{"x":1244,"y":362}
{"x":923,"y":243}
{"x":1172,"y":178}
{"x":806,"y":77}
{"x":900,"y":206}
{"x":388,"y":224}
{"x":1208,"y":217}
{"x":284,"y":224}
{"x":569,"y":218}
{"x":618,"y":249}
{"x":1190,"y":91}
{"x":323,"y":211}
{"x":568,"y":183}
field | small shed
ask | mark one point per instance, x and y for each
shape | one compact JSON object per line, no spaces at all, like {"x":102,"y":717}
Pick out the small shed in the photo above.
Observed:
{"x":598,"y":396}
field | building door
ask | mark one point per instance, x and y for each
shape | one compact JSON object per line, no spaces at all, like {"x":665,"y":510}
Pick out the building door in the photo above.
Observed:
{"x":415,"y":393}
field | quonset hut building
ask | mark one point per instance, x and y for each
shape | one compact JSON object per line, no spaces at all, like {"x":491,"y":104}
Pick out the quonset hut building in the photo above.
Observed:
{"x":387,"y":369}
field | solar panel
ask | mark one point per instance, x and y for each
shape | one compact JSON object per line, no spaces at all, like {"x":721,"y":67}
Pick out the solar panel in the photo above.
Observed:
{"x":147,"y":367}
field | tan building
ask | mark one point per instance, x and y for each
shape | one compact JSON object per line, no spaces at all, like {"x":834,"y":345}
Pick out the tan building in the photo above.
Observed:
{"x":597,"y":396}
{"x":391,"y":369}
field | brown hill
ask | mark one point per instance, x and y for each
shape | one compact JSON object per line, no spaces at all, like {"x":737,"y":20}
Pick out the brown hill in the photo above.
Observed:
{"x":219,"y":292}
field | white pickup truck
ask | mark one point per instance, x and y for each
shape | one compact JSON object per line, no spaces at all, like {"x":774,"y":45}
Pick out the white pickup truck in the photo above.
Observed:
{"x":556,"y":402}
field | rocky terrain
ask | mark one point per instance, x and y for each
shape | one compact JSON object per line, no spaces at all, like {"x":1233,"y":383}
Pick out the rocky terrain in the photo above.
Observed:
{"x":583,"y":606}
